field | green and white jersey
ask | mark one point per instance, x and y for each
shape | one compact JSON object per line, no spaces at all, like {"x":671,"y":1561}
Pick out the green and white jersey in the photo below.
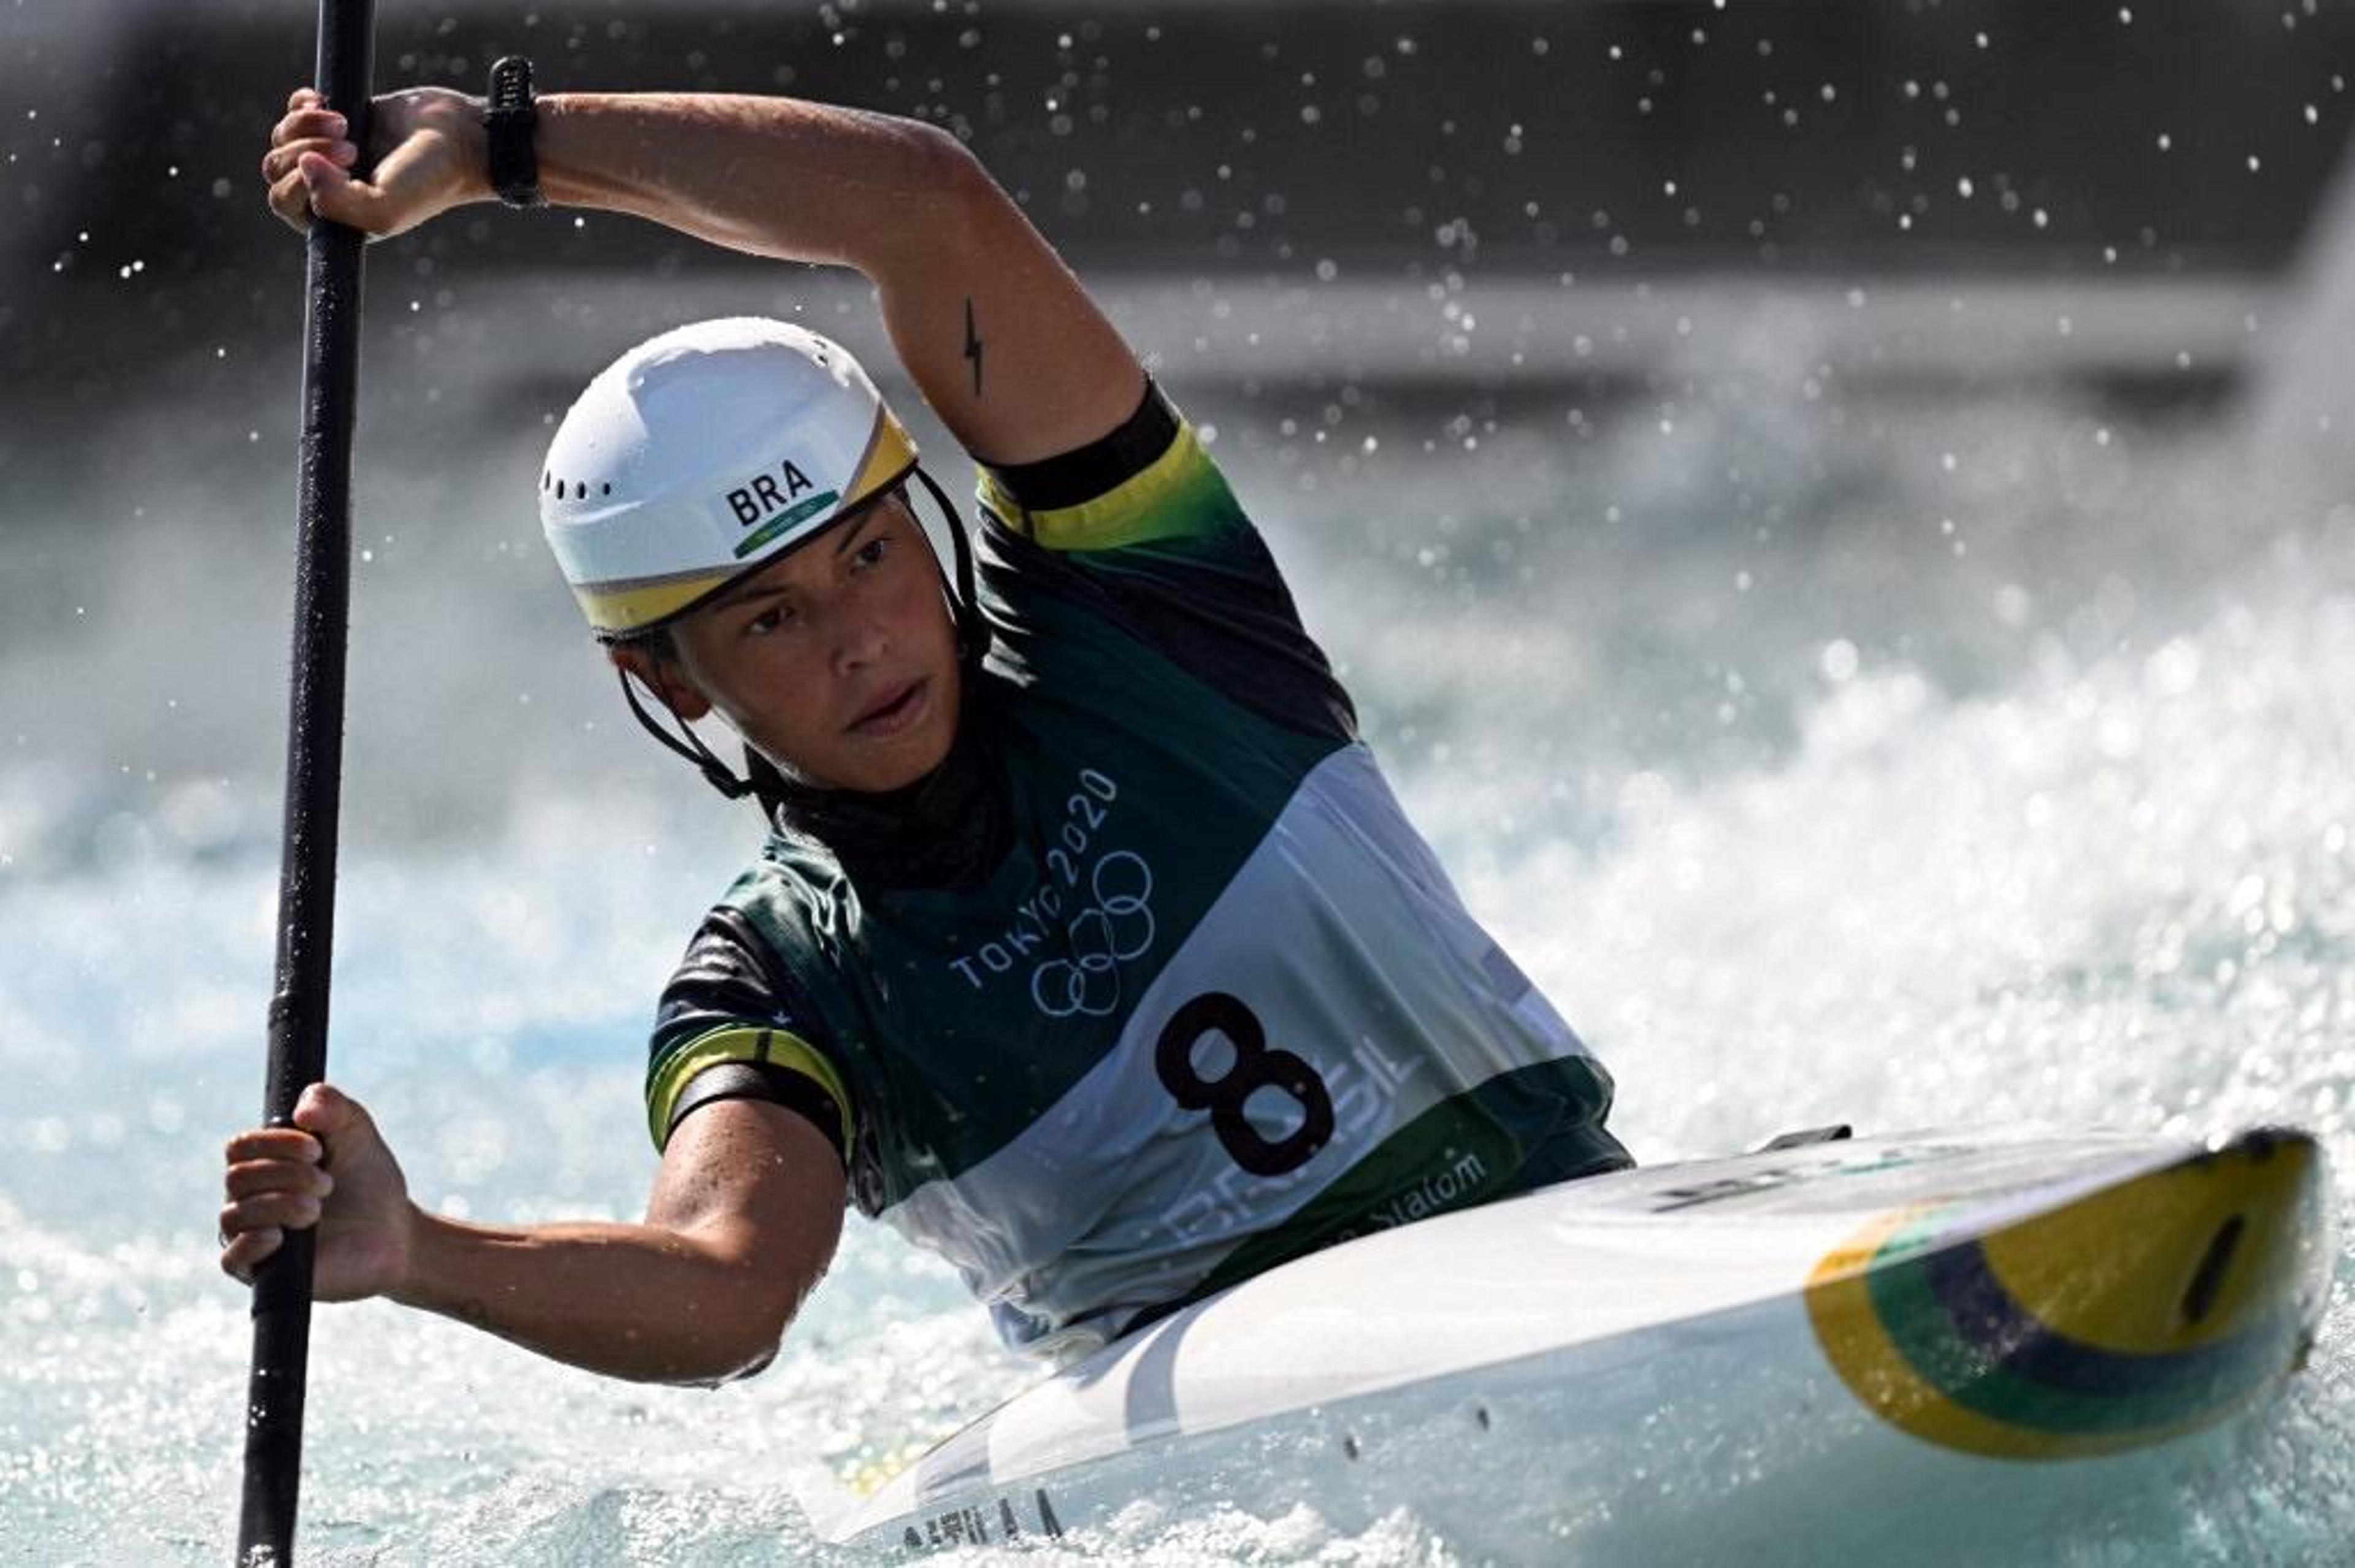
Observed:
{"x":1211,"y":1004}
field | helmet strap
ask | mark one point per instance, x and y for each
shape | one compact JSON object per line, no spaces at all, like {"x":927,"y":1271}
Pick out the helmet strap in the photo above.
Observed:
{"x":692,"y":748}
{"x":972,"y":626}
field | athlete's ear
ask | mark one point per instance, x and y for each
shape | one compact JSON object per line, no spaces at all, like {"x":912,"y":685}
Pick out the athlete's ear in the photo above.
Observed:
{"x":666,"y":678}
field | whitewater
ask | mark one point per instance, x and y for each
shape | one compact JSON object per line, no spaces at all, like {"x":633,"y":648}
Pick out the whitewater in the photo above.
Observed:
{"x":1952,"y":756}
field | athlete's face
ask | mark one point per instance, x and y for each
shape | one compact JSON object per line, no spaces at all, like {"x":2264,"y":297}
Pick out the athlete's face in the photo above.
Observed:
{"x":837,"y":661}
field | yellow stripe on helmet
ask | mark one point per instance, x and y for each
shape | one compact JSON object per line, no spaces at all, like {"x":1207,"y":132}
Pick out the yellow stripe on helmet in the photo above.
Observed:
{"x":619,"y":608}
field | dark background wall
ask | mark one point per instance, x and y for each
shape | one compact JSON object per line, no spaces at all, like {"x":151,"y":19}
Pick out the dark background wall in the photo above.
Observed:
{"x":1618,"y":136}
{"x":1789,"y":143}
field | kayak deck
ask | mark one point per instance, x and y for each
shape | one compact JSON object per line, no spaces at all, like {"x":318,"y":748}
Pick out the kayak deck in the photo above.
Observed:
{"x":1931,"y":1309}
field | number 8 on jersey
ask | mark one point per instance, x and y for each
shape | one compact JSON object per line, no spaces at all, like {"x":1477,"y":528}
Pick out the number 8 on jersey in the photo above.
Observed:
{"x":1255,"y":1067}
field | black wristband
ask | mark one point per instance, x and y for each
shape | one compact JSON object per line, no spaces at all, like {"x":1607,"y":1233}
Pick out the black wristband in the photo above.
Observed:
{"x":510,"y":124}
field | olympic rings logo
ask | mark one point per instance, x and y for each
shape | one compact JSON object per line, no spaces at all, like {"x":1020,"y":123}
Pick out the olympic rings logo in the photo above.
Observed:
{"x":1116,"y":928}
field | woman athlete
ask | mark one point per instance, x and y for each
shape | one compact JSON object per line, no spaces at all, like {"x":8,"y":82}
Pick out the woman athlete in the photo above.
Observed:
{"x":1087,"y":945}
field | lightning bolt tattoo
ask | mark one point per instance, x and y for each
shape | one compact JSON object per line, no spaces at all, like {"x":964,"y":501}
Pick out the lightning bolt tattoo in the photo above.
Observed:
{"x":972,"y":346}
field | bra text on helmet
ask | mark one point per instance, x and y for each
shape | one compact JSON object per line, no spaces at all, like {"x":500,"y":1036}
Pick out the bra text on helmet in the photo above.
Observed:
{"x":759,"y":496}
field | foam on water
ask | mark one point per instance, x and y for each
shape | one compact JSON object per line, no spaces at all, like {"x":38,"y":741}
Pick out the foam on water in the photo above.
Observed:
{"x":1801,"y":814}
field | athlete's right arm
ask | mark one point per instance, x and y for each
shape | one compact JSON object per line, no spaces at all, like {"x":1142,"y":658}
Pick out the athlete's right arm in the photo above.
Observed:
{"x":745,"y":1214}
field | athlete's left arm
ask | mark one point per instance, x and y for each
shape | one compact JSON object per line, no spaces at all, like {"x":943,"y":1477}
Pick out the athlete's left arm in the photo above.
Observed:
{"x":1006,"y":345}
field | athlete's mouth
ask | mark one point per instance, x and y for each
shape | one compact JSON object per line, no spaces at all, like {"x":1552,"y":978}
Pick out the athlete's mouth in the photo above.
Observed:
{"x":898,"y":710}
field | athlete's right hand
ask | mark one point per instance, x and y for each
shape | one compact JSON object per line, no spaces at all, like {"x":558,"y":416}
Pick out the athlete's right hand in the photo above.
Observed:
{"x":431,"y":155}
{"x":330,"y":1169}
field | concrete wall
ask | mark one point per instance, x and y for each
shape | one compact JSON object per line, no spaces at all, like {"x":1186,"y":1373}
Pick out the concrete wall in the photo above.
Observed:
{"x":1623,"y":140}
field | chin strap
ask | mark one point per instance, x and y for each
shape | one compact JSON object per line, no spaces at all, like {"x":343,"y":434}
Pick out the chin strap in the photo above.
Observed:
{"x":692,"y":748}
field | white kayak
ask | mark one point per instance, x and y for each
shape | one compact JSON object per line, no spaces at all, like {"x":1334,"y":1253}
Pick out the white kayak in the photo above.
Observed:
{"x":1916,"y":1348}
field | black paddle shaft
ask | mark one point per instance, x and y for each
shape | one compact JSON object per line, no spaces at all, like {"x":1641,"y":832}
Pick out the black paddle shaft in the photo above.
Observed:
{"x":315,"y":737}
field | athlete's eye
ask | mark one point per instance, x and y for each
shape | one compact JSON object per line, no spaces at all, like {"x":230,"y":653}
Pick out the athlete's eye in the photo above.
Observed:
{"x":872,"y":551}
{"x":774,"y":618}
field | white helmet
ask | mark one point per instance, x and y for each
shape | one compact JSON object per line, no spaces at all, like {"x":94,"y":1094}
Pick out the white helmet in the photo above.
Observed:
{"x":705,"y":453}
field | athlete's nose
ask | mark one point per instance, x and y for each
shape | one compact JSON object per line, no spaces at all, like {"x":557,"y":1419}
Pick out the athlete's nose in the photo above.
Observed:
{"x":860,"y":640}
